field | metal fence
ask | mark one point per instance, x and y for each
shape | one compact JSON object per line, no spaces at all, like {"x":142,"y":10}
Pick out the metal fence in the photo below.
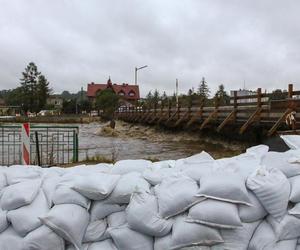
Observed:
{"x":49,"y":145}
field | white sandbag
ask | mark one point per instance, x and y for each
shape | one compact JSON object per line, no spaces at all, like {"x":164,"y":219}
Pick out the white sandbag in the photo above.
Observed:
{"x":3,"y":220}
{"x":272,"y":188}
{"x":25,"y":219}
{"x":20,"y":194}
{"x":163,"y":164}
{"x":100,"y":209}
{"x":127,"y":184}
{"x":85,"y":246}
{"x":295,"y":189}
{"x":252,"y":213}
{"x":215,"y":213}
{"x":49,"y":186}
{"x":65,"y":195}
{"x":263,"y":237}
{"x":293,"y":141}
{"x":243,"y":164}
{"x":186,"y":234}
{"x":203,"y":157}
{"x":283,"y":245}
{"x":90,"y":169}
{"x":43,"y":238}
{"x":128,"y":239}
{"x":163,"y":243}
{"x":10,"y":240}
{"x":96,"y":231}
{"x":224,"y":186}
{"x":258,"y":151}
{"x":155,"y":176}
{"x":237,"y":239}
{"x":287,"y":229}
{"x":295,"y":210}
{"x":128,"y":166}
{"x":286,"y":162}
{"x":116,"y":219}
{"x":95,"y":186}
{"x":196,"y":248}
{"x":197,"y":165}
{"x":196,"y":172}
{"x":69,"y":221}
{"x":3,"y":181}
{"x":142,"y":215}
{"x":175,"y":195}
{"x":53,"y":172}
{"x":20,"y":173}
{"x":103,"y":245}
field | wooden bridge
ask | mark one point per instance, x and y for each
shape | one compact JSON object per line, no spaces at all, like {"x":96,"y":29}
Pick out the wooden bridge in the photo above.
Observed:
{"x":241,"y":115}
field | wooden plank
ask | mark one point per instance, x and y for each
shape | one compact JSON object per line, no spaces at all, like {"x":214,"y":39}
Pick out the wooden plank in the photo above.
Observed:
{"x":250,"y":120}
{"x":153,"y":119}
{"x":145,"y":117}
{"x":230,"y":117}
{"x":195,"y":117}
{"x":162,"y":117}
{"x":181,"y":119}
{"x":209,"y":118}
{"x":279,"y":121}
{"x":171,"y":117}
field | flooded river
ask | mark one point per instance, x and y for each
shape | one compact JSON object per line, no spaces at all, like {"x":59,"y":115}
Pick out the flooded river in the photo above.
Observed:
{"x":134,"y":142}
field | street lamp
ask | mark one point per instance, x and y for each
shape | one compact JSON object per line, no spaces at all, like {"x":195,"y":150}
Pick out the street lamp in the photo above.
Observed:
{"x":135,"y":71}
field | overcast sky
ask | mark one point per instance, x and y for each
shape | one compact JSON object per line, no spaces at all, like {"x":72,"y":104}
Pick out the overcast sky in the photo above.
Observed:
{"x":74,"y":42}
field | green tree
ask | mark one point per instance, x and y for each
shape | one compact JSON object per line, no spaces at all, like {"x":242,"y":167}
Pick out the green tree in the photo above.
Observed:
{"x":156,"y":97}
{"x":29,"y":83}
{"x":34,"y":89}
{"x":107,"y":101}
{"x":203,"y":90}
{"x":278,"y":94}
{"x":43,"y":92}
{"x":222,"y":95}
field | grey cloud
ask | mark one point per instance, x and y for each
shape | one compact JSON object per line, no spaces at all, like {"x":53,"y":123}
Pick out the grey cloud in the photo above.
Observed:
{"x":74,"y":42}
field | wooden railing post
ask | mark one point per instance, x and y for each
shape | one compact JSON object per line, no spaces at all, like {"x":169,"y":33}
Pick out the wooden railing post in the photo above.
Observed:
{"x":169,"y":108}
{"x":259,"y":97}
{"x":290,"y":91}
{"x":178,"y":111}
{"x":235,"y":105}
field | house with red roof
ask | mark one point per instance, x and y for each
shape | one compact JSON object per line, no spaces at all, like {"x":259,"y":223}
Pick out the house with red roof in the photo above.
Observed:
{"x":128,"y":92}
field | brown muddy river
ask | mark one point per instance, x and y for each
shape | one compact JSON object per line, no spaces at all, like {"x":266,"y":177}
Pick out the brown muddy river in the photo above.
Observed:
{"x":132,"y":142}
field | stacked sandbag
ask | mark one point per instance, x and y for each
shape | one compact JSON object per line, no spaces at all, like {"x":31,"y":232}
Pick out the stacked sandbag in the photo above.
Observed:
{"x":250,"y":201}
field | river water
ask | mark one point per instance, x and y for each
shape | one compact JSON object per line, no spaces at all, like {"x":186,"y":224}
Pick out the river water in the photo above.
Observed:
{"x":134,"y":142}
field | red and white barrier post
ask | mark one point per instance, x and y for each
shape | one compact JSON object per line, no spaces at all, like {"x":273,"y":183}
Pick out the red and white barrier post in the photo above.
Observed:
{"x":25,"y":143}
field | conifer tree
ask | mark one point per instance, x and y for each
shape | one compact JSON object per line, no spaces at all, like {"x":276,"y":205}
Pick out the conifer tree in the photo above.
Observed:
{"x":203,"y":90}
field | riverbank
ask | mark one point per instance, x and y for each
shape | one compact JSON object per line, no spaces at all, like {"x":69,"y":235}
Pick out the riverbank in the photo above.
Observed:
{"x":67,"y":119}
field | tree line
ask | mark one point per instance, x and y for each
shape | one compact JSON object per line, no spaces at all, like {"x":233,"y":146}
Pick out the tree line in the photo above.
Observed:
{"x":34,"y":90}
{"x":202,"y":93}
{"x":32,"y":93}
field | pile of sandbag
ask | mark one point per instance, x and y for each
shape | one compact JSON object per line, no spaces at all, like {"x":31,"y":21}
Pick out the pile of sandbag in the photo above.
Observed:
{"x":251,"y":201}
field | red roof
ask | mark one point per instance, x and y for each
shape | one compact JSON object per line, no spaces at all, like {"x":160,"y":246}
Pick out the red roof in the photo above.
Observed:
{"x":130,"y":92}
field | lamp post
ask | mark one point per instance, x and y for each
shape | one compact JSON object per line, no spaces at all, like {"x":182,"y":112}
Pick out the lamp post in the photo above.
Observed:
{"x":135,"y":73}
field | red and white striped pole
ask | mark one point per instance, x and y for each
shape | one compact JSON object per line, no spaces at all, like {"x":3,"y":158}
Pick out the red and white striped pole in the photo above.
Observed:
{"x":26,"y":144}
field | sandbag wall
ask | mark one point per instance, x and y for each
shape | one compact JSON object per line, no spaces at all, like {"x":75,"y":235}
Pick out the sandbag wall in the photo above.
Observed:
{"x":251,"y":201}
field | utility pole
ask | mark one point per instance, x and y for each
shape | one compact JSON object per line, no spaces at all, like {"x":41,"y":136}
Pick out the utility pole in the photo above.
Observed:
{"x":177,"y":93}
{"x":135,"y":73}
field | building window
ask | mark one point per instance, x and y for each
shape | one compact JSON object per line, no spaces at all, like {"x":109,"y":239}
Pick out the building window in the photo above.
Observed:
{"x":131,"y":93}
{"x":121,"y":93}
